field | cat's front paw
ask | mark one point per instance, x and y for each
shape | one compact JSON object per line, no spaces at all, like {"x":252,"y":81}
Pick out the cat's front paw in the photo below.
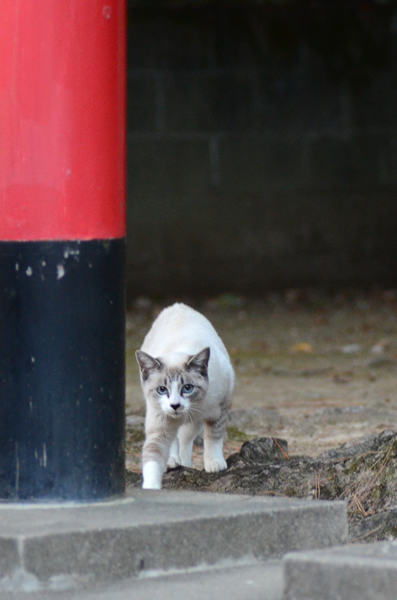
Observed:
{"x":173,"y":461}
{"x":152,"y":476}
{"x":213,"y":465}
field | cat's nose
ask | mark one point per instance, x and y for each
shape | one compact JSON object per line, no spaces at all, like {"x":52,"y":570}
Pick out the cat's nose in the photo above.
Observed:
{"x":175,"y":406}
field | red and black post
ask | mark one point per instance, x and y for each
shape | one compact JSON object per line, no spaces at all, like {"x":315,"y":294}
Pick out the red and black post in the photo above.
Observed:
{"x":62,"y":249}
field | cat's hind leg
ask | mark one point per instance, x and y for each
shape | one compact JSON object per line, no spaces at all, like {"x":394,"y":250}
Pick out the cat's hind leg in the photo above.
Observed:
{"x":214,"y":432}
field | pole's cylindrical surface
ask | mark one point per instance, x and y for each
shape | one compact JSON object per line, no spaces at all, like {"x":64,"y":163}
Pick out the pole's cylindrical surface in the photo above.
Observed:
{"x":62,"y":249}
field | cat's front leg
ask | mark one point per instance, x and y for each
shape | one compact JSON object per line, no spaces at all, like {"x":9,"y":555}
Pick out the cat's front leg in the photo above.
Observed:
{"x":154,"y":458}
{"x":187,"y":434}
{"x":152,"y":472}
{"x":155,"y":454}
{"x":174,"y":459}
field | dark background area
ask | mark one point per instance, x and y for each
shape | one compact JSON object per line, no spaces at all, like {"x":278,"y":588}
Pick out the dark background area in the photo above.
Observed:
{"x":262,"y":147}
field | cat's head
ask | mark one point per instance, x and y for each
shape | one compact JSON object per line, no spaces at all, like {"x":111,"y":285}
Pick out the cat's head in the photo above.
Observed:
{"x":176,"y":384}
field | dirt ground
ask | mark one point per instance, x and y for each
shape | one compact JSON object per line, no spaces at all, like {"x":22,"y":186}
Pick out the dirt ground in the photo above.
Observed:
{"x":314,"y":369}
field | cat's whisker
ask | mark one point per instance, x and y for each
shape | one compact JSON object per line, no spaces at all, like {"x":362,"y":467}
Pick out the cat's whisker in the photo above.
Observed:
{"x":193,"y":408}
{"x":190,"y":417}
{"x":195,"y":411}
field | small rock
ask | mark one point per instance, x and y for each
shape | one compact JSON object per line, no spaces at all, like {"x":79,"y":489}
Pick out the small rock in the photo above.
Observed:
{"x":264,"y":449}
{"x":379,"y":347}
{"x":351,"y":348}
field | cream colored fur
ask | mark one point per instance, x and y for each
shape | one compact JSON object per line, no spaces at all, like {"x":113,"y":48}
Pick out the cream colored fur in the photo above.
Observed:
{"x":182,"y":351}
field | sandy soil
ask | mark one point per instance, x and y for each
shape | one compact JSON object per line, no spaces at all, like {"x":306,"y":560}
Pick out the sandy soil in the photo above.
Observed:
{"x":314,"y":369}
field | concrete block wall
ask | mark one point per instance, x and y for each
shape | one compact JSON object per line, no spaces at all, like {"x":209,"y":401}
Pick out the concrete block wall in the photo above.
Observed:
{"x":262,"y":147}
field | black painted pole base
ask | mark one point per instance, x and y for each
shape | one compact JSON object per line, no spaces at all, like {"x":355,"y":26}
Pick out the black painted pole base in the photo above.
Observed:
{"x":62,"y":370}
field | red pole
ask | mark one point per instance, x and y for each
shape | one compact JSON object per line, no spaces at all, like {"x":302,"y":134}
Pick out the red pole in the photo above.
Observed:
{"x":62,"y":249}
{"x":62,"y":111}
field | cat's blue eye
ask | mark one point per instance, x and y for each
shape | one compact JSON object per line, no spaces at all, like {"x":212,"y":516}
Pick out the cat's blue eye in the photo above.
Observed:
{"x":187,"y":388}
{"x":162,"y":390}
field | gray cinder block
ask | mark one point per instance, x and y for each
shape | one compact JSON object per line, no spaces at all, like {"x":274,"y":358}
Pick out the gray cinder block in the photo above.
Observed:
{"x":70,"y":546}
{"x":344,"y":573}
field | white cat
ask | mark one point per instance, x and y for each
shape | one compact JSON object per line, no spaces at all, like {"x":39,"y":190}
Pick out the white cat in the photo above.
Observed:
{"x":187,"y":380}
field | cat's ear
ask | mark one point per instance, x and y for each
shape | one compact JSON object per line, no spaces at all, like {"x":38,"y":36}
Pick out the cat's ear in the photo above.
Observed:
{"x":147,"y":363}
{"x":199,"y":362}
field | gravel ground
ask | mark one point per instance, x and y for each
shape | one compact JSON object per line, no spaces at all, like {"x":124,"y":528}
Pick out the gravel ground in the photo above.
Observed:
{"x":315,"y":369}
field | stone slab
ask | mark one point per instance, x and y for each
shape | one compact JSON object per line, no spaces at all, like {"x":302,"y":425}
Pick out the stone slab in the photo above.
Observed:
{"x":59,"y":547}
{"x":359,"y":572}
{"x":249,"y":582}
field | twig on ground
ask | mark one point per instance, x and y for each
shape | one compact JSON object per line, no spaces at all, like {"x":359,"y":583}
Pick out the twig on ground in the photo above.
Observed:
{"x":359,"y":506}
{"x":280,"y":448}
{"x":362,"y":537}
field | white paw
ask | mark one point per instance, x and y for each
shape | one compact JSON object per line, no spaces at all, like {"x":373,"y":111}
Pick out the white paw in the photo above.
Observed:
{"x":151,"y":485}
{"x":173,"y":461}
{"x":152,"y":476}
{"x":213,"y":465}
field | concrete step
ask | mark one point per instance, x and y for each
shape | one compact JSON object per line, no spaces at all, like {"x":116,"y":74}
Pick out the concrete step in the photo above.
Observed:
{"x":359,"y":572}
{"x":260,"y":581}
{"x":55,"y":547}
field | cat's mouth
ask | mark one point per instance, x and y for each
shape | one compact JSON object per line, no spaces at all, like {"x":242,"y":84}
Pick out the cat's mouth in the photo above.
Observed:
{"x":175,"y":413}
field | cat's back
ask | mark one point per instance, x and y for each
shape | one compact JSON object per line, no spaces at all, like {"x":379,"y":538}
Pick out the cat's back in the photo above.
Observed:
{"x":180,"y":328}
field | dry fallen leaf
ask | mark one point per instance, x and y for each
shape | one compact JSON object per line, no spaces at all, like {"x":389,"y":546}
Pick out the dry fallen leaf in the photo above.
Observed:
{"x":302,"y":347}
